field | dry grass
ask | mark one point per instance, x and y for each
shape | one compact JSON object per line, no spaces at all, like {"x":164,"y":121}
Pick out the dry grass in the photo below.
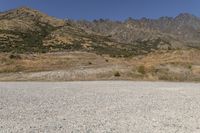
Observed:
{"x":181,"y":65}
{"x":51,"y":61}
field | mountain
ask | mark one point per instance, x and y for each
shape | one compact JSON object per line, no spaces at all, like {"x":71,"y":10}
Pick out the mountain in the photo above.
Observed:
{"x":42,"y":47}
{"x":179,"y":31}
{"x":25,"y":30}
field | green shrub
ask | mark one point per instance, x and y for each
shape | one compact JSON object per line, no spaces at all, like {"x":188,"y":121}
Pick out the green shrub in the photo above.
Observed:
{"x":15,"y":56}
{"x":141,"y":69}
{"x":190,"y":66}
{"x":117,"y":74}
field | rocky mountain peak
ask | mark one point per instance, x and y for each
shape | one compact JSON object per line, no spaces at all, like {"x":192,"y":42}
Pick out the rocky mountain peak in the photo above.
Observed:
{"x":185,"y":16}
{"x":24,"y":13}
{"x":25,"y":9}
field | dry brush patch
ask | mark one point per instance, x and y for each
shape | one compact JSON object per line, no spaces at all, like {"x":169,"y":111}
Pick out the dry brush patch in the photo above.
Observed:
{"x":50,"y":61}
{"x":180,"y":65}
{"x":175,"y":65}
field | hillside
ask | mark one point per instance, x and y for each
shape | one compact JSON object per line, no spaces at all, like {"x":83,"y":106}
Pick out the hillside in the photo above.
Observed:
{"x":183,"y":30}
{"x":35,"y":46}
{"x":25,"y":30}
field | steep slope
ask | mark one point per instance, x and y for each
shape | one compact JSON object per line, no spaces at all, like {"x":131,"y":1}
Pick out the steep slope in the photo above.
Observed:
{"x":181,"y":31}
{"x":27,"y":30}
{"x":24,"y":30}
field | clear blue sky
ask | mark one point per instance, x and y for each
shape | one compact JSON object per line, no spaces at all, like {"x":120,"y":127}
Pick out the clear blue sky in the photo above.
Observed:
{"x":112,"y":9}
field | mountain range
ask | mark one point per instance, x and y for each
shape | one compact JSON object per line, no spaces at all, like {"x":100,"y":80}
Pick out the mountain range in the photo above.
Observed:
{"x":35,"y":46}
{"x":24,"y":30}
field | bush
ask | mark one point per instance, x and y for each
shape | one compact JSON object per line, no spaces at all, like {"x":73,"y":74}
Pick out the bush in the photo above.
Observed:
{"x":190,"y":66}
{"x":90,"y":63}
{"x":117,"y":74}
{"x":141,"y":69}
{"x":15,"y":56}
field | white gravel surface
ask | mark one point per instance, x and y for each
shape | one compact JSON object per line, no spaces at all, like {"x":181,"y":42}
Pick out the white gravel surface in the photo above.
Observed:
{"x":99,"y":106}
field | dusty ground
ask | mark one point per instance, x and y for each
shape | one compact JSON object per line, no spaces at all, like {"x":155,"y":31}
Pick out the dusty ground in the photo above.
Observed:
{"x":109,"y":106}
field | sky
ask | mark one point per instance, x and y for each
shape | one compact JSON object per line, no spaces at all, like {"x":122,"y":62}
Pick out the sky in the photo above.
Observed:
{"x":107,"y":9}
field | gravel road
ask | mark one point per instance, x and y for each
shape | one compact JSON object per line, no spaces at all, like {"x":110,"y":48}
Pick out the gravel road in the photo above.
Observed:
{"x":99,"y":106}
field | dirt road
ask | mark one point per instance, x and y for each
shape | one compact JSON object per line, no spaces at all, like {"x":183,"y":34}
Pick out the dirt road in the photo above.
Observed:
{"x":99,"y":106}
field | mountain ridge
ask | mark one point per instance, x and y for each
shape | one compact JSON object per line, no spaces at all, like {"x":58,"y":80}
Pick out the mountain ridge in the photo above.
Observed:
{"x":28,"y":30}
{"x":28,"y":9}
{"x":33,"y":43}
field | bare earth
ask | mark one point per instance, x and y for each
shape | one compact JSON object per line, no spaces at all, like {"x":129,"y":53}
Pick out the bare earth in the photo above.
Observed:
{"x":99,"y":106}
